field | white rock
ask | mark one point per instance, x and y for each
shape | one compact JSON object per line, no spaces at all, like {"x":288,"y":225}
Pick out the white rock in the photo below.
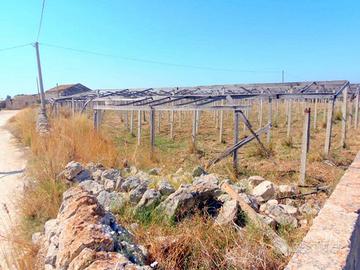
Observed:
{"x":264,"y":207}
{"x":137,"y":193}
{"x":264,"y":191}
{"x":165,"y":188}
{"x":36,"y":238}
{"x":290,"y":210}
{"x":286,"y":190}
{"x":255,"y":180}
{"x":150,"y":197}
{"x":282,"y":216}
{"x":92,"y":186}
{"x":72,"y":169}
{"x":227,"y":213}
{"x":109,"y":184}
{"x":50,"y":228}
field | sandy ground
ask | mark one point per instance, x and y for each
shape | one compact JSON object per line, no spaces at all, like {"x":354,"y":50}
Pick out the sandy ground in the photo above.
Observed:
{"x":12,"y":165}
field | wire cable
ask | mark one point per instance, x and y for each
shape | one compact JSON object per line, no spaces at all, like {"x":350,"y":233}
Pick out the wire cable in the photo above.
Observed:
{"x":15,"y":47}
{"x":151,"y":61}
{"x":41,"y":20}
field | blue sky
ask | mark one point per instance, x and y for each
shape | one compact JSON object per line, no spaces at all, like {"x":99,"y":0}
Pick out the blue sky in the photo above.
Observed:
{"x":228,"y":41}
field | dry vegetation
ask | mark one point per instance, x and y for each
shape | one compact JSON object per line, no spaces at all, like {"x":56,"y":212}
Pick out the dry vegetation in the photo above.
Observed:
{"x":196,"y":244}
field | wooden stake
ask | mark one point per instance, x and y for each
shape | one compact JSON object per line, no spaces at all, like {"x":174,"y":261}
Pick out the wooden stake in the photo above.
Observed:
{"x":268,"y":138}
{"x":344,"y":118}
{"x":288,"y":132}
{"x":139,"y":128}
{"x":261,"y":113}
{"x":357,"y":110}
{"x":315,"y":111}
{"x":193,"y":137}
{"x":152,"y":129}
{"x":236,"y":139}
{"x":172,"y":124}
{"x":132,"y":123}
{"x":305,"y":145}
{"x":197,"y":121}
{"x":330,"y":110}
{"x":221,"y":125}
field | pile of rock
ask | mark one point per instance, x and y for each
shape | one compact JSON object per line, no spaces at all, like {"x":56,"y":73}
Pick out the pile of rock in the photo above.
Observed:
{"x":85,"y":236}
{"x":113,"y":190}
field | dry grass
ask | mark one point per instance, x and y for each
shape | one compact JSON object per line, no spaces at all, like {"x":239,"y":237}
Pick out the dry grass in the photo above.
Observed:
{"x":197,"y":244}
{"x":69,"y":139}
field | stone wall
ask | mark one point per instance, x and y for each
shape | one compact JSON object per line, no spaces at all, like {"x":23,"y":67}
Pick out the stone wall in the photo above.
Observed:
{"x":333,"y":241}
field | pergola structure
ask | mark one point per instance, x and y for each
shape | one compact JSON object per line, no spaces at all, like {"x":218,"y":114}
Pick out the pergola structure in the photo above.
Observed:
{"x":235,"y":97}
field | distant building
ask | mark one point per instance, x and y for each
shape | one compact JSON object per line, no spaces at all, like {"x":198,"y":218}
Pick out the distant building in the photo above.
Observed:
{"x":66,"y":90}
{"x":21,"y":101}
{"x":2,"y":104}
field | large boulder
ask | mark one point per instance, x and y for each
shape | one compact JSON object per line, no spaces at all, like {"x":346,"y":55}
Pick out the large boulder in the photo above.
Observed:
{"x":85,"y":236}
{"x":189,"y":197}
{"x":111,"y":200}
{"x":228,"y":213}
{"x":130,"y":183}
{"x":165,"y":188}
{"x":150,"y":198}
{"x":283,"y":214}
{"x":92,"y":187}
{"x":265,"y":207}
{"x":72,"y":169}
{"x":136,"y":194}
{"x":264,"y":191}
{"x":111,"y":174}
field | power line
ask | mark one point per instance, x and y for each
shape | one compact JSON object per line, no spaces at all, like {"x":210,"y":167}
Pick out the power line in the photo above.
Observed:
{"x":41,"y":19}
{"x":152,"y":61}
{"x":14,"y":47}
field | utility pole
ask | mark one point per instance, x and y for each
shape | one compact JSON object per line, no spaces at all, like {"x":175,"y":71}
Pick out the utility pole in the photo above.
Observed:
{"x":42,"y":124}
{"x":42,"y":94}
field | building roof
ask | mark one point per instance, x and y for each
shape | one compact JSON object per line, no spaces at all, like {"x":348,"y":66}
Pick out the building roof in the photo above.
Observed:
{"x":61,"y":88}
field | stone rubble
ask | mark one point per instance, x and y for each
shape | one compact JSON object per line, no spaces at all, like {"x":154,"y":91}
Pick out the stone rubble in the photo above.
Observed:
{"x":104,"y":190}
{"x":85,"y":236}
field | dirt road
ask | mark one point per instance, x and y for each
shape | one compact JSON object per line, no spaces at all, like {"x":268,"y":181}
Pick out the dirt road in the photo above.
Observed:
{"x":12,"y":165}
